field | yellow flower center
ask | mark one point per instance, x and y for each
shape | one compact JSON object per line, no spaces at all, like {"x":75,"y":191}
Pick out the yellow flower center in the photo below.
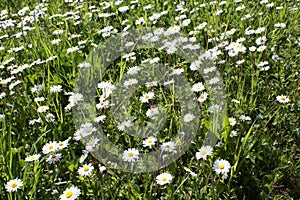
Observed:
{"x":51,"y":147}
{"x":130,"y":154}
{"x":13,"y":185}
{"x":69,"y":194}
{"x":150,"y":141}
{"x":203,"y":152}
{"x":86,"y":168}
{"x":221,"y":166}
{"x":164,"y":179}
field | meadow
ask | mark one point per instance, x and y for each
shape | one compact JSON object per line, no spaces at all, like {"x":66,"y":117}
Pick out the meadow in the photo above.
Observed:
{"x":149,"y":99}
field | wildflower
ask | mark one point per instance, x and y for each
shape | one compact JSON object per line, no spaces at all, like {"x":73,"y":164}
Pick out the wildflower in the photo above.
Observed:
{"x":42,"y":109}
{"x":198,"y":87}
{"x":123,"y":8}
{"x":193,"y":174}
{"x":214,"y":108}
{"x":50,"y":117}
{"x":55,"y":88}
{"x":32,"y":158}
{"x":232,"y":121}
{"x":188,"y":117}
{"x":63,"y":144}
{"x":261,"y":48}
{"x":70,"y":193}
{"x":203,"y":96}
{"x":72,"y":49}
{"x":233,"y":133}
{"x":13,"y":185}
{"x":54,"y":158}
{"x":86,"y":170}
{"x":39,"y":99}
{"x":131,"y":155}
{"x":245,"y":118}
{"x":168,"y":146}
{"x":221,"y":166}
{"x":100,"y":118}
{"x":261,"y":40}
{"x":149,"y":142}
{"x":133,"y":70}
{"x":130,"y":82}
{"x":85,"y":65}
{"x":164,"y":178}
{"x":282,"y":99}
{"x":91,"y":144}
{"x":124,"y":124}
{"x":204,"y":152}
{"x":75,"y":98}
{"x":102,"y":169}
{"x":49,"y":147}
{"x":146,"y":97}
{"x":152,"y":112}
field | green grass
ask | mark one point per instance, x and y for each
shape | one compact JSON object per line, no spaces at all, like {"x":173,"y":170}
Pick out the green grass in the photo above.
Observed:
{"x":264,"y":154}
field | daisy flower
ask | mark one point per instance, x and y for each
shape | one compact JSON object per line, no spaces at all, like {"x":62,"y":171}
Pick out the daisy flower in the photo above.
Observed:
{"x":204,"y":152}
{"x":42,"y":109}
{"x":188,"y":117}
{"x":32,"y":158}
{"x":245,"y":118}
{"x":203,"y":96}
{"x":149,"y":142}
{"x":49,"y":147}
{"x":13,"y":185}
{"x":86,"y":170}
{"x":168,"y":146}
{"x":131,"y":155}
{"x":146,"y":97}
{"x":55,"y":88}
{"x":70,"y":193}
{"x":282,"y":99}
{"x":221,"y":166}
{"x":232,"y":121}
{"x":198,"y":87}
{"x":152,"y":112}
{"x":54,"y":158}
{"x":164,"y":178}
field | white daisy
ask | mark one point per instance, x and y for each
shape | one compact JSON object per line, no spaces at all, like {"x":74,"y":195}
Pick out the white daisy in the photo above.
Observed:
{"x":131,"y":155}
{"x":42,"y":109}
{"x":86,"y":170}
{"x":221,"y":166}
{"x":188,"y":117}
{"x":49,"y":147}
{"x":168,"y":146}
{"x":32,"y":158}
{"x":164,"y":178}
{"x":282,"y":99}
{"x":13,"y":185}
{"x":204,"y":152}
{"x":146,"y":97}
{"x":70,"y":193}
{"x":203,"y":96}
{"x":149,"y":142}
{"x":54,"y":158}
